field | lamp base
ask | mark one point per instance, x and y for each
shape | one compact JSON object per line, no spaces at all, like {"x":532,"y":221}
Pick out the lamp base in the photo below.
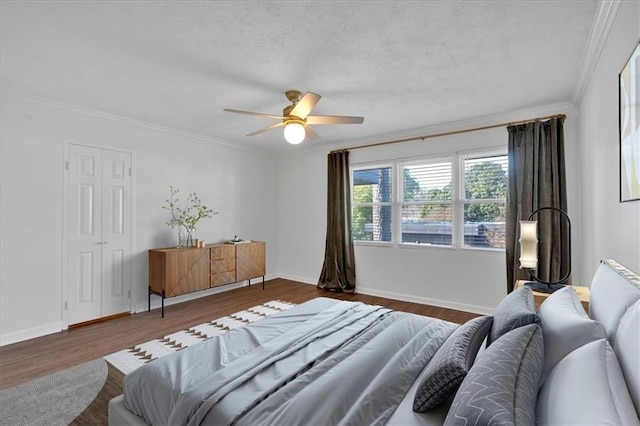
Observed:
{"x":543,"y":288}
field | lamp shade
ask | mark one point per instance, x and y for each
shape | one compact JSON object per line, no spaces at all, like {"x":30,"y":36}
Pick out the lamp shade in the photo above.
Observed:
{"x":294,"y":133}
{"x":528,"y":244}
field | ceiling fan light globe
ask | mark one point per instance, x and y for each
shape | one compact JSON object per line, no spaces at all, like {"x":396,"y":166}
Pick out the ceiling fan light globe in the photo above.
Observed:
{"x":294,"y":133}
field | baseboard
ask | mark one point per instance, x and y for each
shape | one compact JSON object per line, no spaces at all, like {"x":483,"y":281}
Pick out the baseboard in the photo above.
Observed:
{"x":483,"y":310}
{"x":303,"y":280}
{"x":30,"y":333}
{"x":156,"y":301}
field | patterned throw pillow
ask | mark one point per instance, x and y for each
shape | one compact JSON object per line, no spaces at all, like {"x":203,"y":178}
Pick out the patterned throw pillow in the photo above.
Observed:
{"x":450,"y":364}
{"x":502,"y":387}
{"x":518,"y":308}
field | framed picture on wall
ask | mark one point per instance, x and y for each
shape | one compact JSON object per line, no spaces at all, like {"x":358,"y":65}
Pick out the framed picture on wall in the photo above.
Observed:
{"x":629,"y":81}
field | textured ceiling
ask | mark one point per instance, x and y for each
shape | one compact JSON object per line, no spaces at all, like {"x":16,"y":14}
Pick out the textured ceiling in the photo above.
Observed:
{"x":400,"y":64}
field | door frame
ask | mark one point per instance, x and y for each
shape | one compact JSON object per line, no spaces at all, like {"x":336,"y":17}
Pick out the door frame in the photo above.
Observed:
{"x":65,"y":226}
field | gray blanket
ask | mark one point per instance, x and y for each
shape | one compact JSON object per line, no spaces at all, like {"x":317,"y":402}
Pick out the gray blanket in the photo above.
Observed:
{"x":322,"y":362}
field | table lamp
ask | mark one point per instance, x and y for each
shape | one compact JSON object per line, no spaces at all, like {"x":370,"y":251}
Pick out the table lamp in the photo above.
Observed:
{"x":529,"y":251}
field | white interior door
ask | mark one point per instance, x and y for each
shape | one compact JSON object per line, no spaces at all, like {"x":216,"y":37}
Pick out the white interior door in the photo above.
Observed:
{"x":116,"y":232}
{"x":99,"y":238}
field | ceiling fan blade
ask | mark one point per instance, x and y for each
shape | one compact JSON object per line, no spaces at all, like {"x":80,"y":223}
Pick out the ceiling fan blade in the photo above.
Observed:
{"x":334,"y":119}
{"x":266,"y":129}
{"x":305,"y":105}
{"x":259,"y":114}
{"x":310,"y":133}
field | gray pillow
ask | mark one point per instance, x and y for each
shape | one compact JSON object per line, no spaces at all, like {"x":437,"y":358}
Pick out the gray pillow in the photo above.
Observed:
{"x":502,"y":386}
{"x":450,"y":364}
{"x":517,"y":309}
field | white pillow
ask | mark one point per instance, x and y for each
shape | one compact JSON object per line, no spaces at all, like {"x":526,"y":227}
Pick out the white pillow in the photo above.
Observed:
{"x":627,"y":348}
{"x":586,"y":388}
{"x":565,"y":327}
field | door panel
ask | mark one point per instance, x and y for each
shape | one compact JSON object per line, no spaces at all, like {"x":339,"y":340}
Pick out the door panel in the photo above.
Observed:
{"x":117,"y":285}
{"x":85,"y":294}
{"x":117,"y":210}
{"x":86,"y":209}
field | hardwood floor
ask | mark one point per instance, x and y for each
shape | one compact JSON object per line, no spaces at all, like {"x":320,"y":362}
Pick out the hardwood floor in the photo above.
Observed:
{"x":24,"y":361}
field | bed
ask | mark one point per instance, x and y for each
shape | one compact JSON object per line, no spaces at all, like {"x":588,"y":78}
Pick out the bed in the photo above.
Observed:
{"x":336,"y":362}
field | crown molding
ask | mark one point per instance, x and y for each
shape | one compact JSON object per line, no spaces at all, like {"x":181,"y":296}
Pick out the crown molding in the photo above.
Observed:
{"x":602,"y":23}
{"x":127,"y":121}
{"x":524,"y":114}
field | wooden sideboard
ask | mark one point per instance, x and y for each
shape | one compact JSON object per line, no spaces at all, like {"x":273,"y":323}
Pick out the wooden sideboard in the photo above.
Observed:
{"x":175,"y":271}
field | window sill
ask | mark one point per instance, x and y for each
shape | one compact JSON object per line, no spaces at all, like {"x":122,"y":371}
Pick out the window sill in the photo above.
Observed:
{"x":424,"y":246}
{"x":373,"y":244}
{"x":484,"y":249}
{"x":427,"y":246}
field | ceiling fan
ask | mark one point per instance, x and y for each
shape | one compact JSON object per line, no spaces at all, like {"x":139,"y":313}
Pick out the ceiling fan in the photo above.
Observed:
{"x":296,"y":119}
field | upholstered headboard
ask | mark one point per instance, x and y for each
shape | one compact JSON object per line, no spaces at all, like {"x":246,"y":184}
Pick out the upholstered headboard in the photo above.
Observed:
{"x":615,"y":302}
{"x":613,"y":290}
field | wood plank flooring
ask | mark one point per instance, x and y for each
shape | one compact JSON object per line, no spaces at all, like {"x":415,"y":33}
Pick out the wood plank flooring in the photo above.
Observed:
{"x":24,"y":361}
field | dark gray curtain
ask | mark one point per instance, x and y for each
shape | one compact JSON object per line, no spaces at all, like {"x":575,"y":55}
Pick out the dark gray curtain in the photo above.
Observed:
{"x":537,"y":179}
{"x":339,"y":269}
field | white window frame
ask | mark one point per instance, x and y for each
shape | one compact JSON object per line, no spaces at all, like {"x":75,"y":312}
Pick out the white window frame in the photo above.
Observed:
{"x":458,"y":198}
{"x":399,"y":200}
{"x":367,"y":166}
{"x":467,"y":155}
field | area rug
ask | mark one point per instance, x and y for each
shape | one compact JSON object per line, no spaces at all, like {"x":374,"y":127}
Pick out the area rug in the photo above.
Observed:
{"x":80,"y":395}
{"x":129,"y":359}
{"x":55,"y":399}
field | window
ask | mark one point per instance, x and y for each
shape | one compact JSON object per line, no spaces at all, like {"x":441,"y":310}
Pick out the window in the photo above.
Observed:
{"x":485,"y":200}
{"x":372,"y":204}
{"x":427,"y":208}
{"x":453,"y":201}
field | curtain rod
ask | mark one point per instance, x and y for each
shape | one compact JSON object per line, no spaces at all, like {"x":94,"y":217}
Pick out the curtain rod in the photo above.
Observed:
{"x":454,"y":132}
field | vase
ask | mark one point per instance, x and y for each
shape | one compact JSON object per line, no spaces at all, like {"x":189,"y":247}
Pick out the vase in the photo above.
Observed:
{"x":186,"y":238}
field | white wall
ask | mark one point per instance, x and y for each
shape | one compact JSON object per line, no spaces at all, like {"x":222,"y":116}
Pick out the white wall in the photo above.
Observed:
{"x":472,"y":280}
{"x":302,"y":216}
{"x":240,"y":184}
{"x":283,"y":201}
{"x":610,"y":229}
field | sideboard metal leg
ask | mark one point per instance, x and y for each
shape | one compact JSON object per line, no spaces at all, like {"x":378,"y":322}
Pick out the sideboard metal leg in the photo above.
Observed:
{"x":162,"y":303}
{"x":149,"y":295}
{"x":263,"y":282}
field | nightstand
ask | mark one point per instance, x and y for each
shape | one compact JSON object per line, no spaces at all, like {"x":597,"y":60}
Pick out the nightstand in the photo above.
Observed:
{"x":583,"y":294}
